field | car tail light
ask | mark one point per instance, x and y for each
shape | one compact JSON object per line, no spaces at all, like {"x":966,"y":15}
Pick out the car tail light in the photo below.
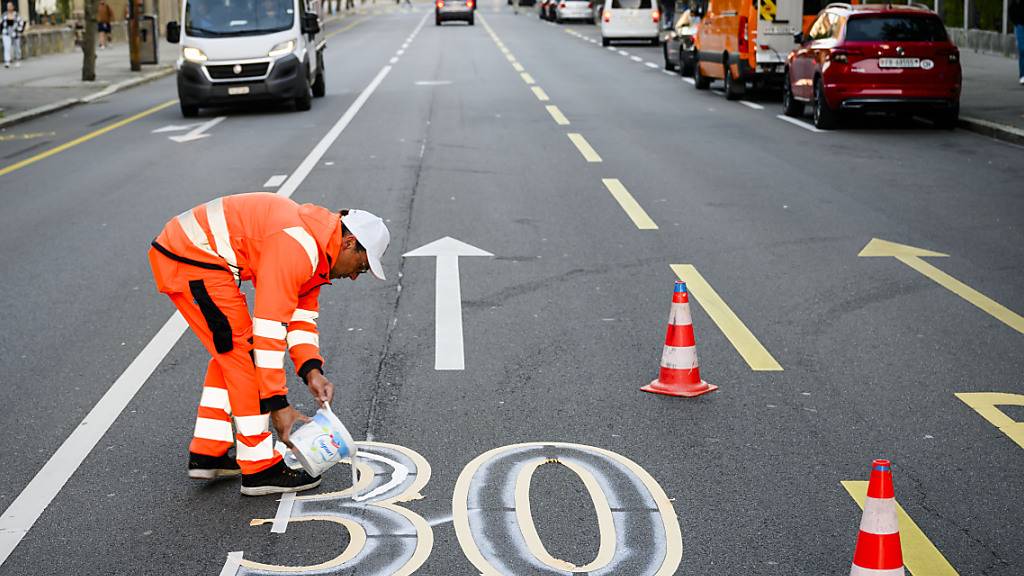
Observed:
{"x":655,"y":15}
{"x":562,"y":5}
{"x":607,"y":16}
{"x":590,"y":5}
{"x":469,"y":3}
{"x":742,"y":38}
{"x":440,"y":3}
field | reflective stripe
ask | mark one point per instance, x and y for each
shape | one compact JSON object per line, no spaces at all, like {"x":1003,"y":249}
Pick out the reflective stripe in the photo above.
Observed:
{"x":215,"y":398}
{"x":269,"y":359}
{"x":296,"y":337}
{"x":307,"y":243}
{"x":269,"y":329}
{"x":211,"y":429}
{"x":262,"y":451}
{"x":301,"y":315}
{"x":682,"y":358}
{"x":195,"y":232}
{"x":879,"y":516}
{"x":219,"y":227}
{"x":858,"y":571}
{"x":252,"y":425}
{"x":680,"y":314}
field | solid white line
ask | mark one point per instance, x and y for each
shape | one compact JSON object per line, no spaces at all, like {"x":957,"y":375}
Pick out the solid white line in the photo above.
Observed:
{"x":652,"y":65}
{"x":275,"y":180}
{"x":753,"y":105}
{"x":800,"y":123}
{"x":284,"y":513}
{"x":22,"y":514}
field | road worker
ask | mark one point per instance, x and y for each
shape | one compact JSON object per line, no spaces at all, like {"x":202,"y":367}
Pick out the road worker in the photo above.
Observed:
{"x":288,"y":251}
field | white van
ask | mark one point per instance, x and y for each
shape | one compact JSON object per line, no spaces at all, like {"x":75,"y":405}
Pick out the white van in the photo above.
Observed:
{"x":243,"y":50}
{"x":630,"y":20}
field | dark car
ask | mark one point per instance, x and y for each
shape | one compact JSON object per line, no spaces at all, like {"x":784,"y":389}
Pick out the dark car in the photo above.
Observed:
{"x":445,"y":11}
{"x":677,"y":42}
{"x":874,"y":57}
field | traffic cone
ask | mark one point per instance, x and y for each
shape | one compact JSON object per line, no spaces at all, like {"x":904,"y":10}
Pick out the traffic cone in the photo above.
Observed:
{"x":878,"y":550}
{"x":679,"y":374}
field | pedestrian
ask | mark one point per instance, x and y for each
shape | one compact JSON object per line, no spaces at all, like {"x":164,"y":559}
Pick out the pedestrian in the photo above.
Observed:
{"x":1016,"y":15}
{"x":289,"y":252}
{"x":12,"y":26}
{"x":104,"y":15}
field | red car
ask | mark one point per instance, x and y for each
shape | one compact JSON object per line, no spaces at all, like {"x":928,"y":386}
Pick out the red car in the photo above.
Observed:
{"x":874,"y":57}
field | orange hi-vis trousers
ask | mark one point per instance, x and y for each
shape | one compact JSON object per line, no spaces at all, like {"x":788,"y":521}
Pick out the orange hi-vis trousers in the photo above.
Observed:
{"x":218,"y":314}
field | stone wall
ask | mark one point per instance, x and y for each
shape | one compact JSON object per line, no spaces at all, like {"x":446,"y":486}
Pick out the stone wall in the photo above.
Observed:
{"x":984,"y":41}
{"x":56,"y":41}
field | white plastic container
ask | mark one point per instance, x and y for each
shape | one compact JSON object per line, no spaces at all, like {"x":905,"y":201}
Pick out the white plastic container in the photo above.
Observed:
{"x":320,"y":443}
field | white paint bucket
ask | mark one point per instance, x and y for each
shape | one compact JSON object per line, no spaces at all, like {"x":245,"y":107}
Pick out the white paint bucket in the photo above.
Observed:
{"x":321,"y":443}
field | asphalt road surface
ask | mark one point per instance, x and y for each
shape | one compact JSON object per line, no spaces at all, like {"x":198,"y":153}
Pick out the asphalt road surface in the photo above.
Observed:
{"x":594,"y":179}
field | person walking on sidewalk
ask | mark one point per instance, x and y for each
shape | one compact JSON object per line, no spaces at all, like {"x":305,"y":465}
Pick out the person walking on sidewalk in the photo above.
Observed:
{"x":288,"y":252}
{"x":1016,"y":16}
{"x":11,"y":28}
{"x":104,"y":15}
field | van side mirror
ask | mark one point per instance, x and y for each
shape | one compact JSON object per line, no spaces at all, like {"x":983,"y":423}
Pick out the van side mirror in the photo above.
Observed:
{"x":310,"y":23}
{"x":798,"y":37}
{"x":173,"y":32}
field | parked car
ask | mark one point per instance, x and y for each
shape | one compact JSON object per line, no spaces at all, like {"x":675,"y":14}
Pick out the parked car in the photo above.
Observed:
{"x":522,"y":2}
{"x":598,"y":9}
{"x":630,"y":20}
{"x":677,"y":43}
{"x":745,"y":43}
{"x":447,"y":10}
{"x":543,"y":9}
{"x":574,"y":10}
{"x":874,"y":57}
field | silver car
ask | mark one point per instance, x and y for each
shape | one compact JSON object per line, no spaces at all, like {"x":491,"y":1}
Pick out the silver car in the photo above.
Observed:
{"x":574,"y":10}
{"x":446,"y":10}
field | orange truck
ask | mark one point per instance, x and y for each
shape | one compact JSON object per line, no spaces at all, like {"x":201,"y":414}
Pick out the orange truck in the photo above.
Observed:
{"x":745,"y":43}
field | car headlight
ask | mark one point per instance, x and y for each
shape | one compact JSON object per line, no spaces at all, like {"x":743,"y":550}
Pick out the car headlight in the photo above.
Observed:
{"x":282,"y":49}
{"x":193,"y":54}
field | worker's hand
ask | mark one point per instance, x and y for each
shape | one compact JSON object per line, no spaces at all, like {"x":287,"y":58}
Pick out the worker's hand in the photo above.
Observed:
{"x":284,"y":419}
{"x":320,"y":387}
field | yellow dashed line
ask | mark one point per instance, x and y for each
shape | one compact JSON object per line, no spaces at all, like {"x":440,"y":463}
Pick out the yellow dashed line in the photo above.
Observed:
{"x":560,"y":118}
{"x":540,"y":93}
{"x":584,"y":147}
{"x":518,"y":66}
{"x":629,"y":204}
{"x":510,"y":57}
{"x":527,"y":78}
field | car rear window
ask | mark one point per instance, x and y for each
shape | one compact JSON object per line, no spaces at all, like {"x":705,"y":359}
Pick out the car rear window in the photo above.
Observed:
{"x":895,"y":28}
{"x":632,"y":4}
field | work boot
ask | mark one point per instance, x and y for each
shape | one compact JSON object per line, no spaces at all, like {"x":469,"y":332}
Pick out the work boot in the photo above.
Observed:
{"x":203,"y":467}
{"x":277,"y":479}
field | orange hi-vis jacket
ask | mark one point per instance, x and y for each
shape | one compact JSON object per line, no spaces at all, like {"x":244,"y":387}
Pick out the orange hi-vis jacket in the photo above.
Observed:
{"x":285,"y":250}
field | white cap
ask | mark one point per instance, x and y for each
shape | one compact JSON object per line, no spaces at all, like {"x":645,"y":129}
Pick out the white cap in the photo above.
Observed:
{"x":371,"y":232}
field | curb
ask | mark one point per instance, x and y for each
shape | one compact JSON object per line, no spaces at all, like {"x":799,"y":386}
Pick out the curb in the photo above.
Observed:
{"x":992,"y":129}
{"x":69,"y":102}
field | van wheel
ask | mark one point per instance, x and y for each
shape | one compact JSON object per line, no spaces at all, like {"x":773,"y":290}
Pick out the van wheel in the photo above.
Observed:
{"x":470,"y":21}
{"x":733,"y":89}
{"x":305,"y":102}
{"x":319,"y":85}
{"x":700,"y":81}
{"x":437,"y":21}
{"x":790,"y":105}
{"x":189,"y":111}
{"x":824,"y":117}
{"x":606,"y":42}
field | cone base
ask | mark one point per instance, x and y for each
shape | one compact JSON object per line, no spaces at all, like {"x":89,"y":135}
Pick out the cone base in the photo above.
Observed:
{"x":681,"y":390}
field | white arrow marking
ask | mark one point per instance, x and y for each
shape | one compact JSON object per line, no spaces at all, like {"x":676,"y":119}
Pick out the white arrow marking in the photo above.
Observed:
{"x":449,"y":353}
{"x":176,"y":128}
{"x":198,"y":132}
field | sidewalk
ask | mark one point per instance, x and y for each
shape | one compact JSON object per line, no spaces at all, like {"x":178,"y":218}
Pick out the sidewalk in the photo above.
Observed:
{"x":991,"y":94}
{"x":47,"y":83}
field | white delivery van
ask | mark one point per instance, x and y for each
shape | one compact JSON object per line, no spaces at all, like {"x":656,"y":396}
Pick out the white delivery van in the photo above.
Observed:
{"x":236,"y":51}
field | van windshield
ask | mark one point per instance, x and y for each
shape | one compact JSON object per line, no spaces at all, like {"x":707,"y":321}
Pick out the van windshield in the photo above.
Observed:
{"x":902,"y":28}
{"x":632,"y":4}
{"x":215,"y":18}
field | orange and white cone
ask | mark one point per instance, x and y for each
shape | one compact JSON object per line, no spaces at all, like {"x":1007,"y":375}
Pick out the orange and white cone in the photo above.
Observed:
{"x":680,"y":372}
{"x":879,"y":552}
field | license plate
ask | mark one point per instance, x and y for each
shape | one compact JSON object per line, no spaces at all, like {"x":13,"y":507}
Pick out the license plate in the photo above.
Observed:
{"x":238,"y":90}
{"x":899,"y":62}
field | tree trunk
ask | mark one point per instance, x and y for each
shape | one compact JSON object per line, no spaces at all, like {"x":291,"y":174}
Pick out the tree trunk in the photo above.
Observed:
{"x":89,"y":41}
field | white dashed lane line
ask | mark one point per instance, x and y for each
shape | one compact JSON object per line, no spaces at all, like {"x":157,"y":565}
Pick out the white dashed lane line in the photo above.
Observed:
{"x":753,"y":105}
{"x":651,"y":65}
{"x":800,"y":123}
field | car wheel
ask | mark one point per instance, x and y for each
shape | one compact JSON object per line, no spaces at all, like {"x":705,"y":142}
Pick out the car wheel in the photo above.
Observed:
{"x":824,"y":117}
{"x":700,"y":81}
{"x":189,"y":111}
{"x":733,"y":89}
{"x":790,"y":105}
{"x":664,"y":52}
{"x":606,"y":41}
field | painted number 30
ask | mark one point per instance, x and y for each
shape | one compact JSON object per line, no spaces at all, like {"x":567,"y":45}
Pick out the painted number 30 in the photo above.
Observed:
{"x":491,"y":513}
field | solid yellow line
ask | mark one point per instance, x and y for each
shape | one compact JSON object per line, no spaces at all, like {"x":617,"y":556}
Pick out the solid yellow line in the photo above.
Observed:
{"x":540,"y":93}
{"x":995,"y":309}
{"x":346,"y":28}
{"x":920,"y":556}
{"x":584,"y":147}
{"x":757,"y":357}
{"x":560,"y":118}
{"x":984,"y":403}
{"x":518,"y":66}
{"x":86,"y":138}
{"x":527,"y":78}
{"x":633,"y":209}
